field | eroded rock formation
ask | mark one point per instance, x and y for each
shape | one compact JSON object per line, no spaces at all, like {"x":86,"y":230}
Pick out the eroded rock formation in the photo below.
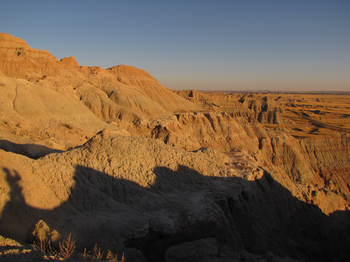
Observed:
{"x":115,"y":158}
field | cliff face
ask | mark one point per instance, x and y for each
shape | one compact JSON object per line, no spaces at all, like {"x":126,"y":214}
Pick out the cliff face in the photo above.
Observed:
{"x":169,"y":166}
{"x":18,"y":60}
{"x":248,"y":106}
{"x":316,"y":170}
{"x":140,"y":193}
{"x":320,"y":167}
{"x":313,"y":169}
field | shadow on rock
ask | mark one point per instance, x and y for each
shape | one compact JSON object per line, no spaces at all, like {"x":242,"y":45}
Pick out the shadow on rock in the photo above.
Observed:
{"x":29,"y":150}
{"x":182,"y":206}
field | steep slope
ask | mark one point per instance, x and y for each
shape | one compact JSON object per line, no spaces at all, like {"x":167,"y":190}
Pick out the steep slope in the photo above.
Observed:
{"x":150,"y":87}
{"x":111,"y":93}
{"x":130,"y":192}
{"x":149,"y":182}
{"x":248,"y":105}
{"x":314,"y":170}
{"x":58,"y":95}
{"x":32,"y":114}
{"x":18,"y":60}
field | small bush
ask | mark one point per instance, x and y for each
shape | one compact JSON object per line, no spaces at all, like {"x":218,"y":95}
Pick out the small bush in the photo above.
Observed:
{"x":45,"y":247}
{"x":111,"y":257}
{"x":67,"y":247}
{"x":40,"y":245}
{"x":96,"y":253}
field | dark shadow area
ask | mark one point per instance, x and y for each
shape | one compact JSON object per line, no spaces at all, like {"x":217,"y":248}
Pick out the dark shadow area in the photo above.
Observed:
{"x":257,"y":216}
{"x":314,"y":130}
{"x":298,"y":129}
{"x":29,"y":150}
{"x":318,"y":112}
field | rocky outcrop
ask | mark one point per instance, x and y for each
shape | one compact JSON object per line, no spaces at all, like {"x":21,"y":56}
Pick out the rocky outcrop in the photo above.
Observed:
{"x":123,"y":161}
{"x":192,"y":131}
{"x":237,"y":105}
{"x":69,"y":62}
{"x":21,"y":61}
{"x":32,"y":114}
{"x":318,"y":164}
{"x":15,"y":46}
{"x":116,"y":93}
{"x":60,"y":105}
{"x":139,"y":193}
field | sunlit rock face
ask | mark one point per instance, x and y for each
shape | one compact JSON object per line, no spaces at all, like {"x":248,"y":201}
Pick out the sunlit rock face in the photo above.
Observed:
{"x":113,"y":157}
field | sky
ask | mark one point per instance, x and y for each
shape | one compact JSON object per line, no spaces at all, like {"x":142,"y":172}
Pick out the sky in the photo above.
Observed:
{"x":295,"y":45}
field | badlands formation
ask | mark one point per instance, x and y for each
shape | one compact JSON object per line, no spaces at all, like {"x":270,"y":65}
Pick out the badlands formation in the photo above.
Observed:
{"x":112,"y":157}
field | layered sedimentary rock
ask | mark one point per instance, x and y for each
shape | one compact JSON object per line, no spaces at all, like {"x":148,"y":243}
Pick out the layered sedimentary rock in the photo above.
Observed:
{"x":110,"y":93}
{"x":139,"y":193}
{"x":169,"y":170}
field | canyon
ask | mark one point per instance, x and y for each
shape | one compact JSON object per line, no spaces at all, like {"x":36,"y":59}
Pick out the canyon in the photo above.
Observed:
{"x":113,"y":157}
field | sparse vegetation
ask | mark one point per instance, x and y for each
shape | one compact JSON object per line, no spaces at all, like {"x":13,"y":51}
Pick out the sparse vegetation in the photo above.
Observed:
{"x":41,"y":245}
{"x":111,"y":257}
{"x":85,"y":255}
{"x":67,"y":247}
{"x":96,"y":253}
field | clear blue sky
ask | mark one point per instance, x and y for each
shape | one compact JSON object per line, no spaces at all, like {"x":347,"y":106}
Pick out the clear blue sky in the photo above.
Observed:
{"x":204,"y":45}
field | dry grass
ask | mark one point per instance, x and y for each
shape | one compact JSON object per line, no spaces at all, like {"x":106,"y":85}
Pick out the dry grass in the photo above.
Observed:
{"x":67,"y":247}
{"x":97,"y":253}
{"x":40,"y":246}
{"x":111,"y":257}
{"x":85,"y":255}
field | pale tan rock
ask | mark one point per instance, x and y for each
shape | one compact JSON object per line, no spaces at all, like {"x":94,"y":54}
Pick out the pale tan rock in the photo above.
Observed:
{"x":69,"y":62}
{"x":115,"y":157}
{"x":38,"y":115}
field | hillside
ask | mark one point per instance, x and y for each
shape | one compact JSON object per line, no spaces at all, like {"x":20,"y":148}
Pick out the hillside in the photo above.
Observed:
{"x":113,"y":157}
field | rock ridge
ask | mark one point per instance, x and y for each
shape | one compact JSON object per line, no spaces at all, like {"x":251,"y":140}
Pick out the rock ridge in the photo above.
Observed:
{"x":140,"y":168}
